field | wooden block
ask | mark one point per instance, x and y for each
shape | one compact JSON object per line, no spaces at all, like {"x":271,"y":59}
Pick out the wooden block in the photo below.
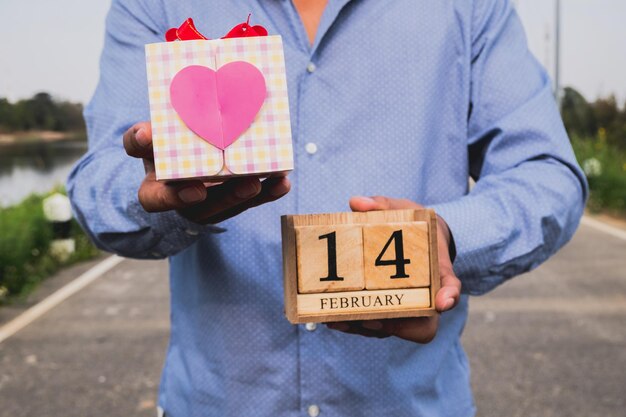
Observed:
{"x":329,"y":258}
{"x":396,"y":255}
{"x":290,"y":267}
{"x":302,"y":308}
{"x":363,"y":301}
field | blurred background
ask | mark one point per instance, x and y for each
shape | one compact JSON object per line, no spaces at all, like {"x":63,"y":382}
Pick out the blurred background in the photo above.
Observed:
{"x":550,"y":343}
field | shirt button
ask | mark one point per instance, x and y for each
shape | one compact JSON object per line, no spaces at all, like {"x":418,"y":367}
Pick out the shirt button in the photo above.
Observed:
{"x":313,"y":410}
{"x":311,"y":68}
{"x":310,"y":327}
{"x":310,"y":148}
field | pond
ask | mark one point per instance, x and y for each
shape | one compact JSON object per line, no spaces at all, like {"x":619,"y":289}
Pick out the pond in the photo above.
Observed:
{"x":35,"y":167}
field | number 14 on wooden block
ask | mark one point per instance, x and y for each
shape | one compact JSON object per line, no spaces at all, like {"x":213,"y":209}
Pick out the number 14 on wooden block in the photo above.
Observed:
{"x":360,"y":266}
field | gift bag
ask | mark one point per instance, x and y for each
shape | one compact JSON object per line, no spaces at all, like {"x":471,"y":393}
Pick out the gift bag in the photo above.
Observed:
{"x":219,"y":108}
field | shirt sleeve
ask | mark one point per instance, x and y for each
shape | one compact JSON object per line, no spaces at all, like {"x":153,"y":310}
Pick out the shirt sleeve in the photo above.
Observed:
{"x":103,"y":185}
{"x":529,"y":192}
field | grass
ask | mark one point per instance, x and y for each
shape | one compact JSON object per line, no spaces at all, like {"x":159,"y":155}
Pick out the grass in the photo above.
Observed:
{"x":605,"y":166}
{"x":25,"y":238}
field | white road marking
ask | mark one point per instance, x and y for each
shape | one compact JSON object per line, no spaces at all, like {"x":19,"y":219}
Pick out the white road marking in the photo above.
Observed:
{"x":57,"y":297}
{"x":603,"y":227}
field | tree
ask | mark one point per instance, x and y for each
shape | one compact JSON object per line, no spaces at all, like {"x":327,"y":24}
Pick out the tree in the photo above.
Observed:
{"x":606,"y":112}
{"x":41,"y":112}
{"x":578,"y":115}
{"x":7,"y":116}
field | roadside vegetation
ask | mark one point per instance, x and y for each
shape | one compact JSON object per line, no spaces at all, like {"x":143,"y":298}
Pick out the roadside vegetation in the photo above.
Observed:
{"x":605,"y":167}
{"x":598,"y":134}
{"x":25,"y":240}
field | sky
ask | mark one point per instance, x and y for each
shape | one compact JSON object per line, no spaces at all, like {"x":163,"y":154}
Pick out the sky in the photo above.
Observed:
{"x":60,"y":48}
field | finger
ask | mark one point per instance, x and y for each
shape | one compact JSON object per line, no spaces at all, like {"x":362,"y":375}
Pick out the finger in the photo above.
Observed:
{"x":223,"y":197}
{"x":148,"y":165}
{"x":271,"y":190}
{"x":138,"y":141}
{"x":414,"y":329}
{"x":381,"y":203}
{"x":449,"y":294}
{"x":156,"y":196}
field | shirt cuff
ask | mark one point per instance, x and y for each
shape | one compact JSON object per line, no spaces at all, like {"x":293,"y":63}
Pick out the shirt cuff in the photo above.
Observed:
{"x":176,"y":232}
{"x":475,"y":237}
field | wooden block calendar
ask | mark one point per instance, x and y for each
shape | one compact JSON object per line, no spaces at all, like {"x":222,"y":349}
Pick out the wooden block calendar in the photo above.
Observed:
{"x":360,"y":266}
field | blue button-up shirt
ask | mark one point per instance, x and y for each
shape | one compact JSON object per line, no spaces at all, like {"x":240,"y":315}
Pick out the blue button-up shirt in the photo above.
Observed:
{"x":404,"y":99}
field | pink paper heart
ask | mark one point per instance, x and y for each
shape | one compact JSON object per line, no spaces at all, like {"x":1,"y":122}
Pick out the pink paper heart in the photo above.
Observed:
{"x":218,"y":105}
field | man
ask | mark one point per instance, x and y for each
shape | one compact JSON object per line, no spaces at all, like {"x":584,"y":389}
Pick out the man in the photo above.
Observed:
{"x":404,"y":99}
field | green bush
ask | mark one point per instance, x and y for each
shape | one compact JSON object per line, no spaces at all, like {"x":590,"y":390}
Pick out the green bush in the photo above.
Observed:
{"x":25,"y":238}
{"x":605,"y":166}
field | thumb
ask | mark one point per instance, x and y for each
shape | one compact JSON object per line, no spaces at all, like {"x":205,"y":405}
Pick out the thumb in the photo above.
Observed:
{"x":381,"y":203}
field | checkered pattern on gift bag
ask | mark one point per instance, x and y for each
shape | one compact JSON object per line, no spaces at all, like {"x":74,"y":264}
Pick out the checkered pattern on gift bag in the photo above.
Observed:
{"x":179,"y":153}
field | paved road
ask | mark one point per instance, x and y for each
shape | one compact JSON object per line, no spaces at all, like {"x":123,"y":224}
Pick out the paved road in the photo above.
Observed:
{"x":550,"y":343}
